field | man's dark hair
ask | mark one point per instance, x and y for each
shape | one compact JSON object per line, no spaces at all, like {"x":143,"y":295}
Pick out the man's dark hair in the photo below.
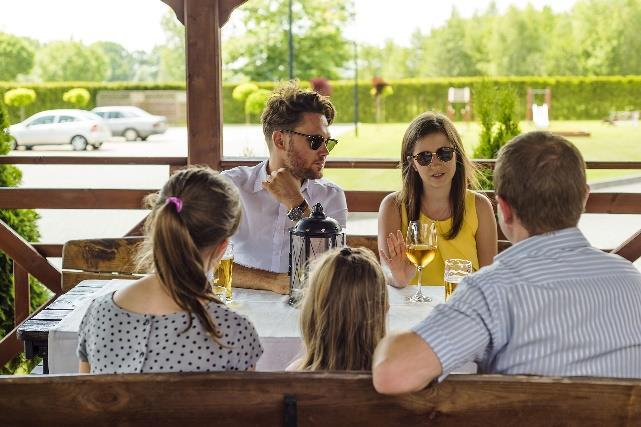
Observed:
{"x":286,"y":105}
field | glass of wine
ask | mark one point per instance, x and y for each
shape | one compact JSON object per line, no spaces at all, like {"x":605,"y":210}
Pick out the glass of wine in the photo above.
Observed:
{"x":420,"y":250}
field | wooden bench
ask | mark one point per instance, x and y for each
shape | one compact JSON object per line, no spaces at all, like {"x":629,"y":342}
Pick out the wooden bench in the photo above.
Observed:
{"x":314,"y":399}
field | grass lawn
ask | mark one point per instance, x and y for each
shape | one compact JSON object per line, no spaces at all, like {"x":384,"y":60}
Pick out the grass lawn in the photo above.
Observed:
{"x":384,"y":141}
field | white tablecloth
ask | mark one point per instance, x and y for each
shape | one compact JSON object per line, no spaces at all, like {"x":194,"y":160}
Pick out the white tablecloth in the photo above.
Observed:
{"x":275,"y":321}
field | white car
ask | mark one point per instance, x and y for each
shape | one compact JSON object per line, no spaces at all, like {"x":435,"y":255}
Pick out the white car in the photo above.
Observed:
{"x":132,"y":122}
{"x":79,"y":128}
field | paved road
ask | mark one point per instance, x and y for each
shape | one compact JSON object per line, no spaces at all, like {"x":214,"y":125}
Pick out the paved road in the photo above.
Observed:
{"x":62,"y":225}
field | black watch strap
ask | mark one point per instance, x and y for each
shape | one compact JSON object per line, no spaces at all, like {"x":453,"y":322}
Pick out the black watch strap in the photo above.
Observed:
{"x":297,"y":213}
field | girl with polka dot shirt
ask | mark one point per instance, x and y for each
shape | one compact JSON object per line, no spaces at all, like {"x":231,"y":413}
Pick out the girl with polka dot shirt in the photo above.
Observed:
{"x":171,"y":320}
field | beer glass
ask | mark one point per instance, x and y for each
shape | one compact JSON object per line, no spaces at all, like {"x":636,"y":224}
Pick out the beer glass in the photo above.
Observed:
{"x":223,"y":276}
{"x":420,"y":249}
{"x":455,"y":271}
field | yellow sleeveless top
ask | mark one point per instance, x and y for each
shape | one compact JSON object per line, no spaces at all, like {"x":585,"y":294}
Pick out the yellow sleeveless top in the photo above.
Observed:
{"x":463,"y":246}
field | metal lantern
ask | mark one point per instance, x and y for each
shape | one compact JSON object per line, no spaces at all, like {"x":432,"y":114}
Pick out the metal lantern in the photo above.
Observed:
{"x":309,"y":238}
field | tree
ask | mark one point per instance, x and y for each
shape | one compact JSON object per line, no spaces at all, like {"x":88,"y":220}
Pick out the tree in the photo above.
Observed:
{"x":172,"y":53}
{"x":121,"y":62}
{"x":16,"y":57}
{"x":447,"y":53}
{"x":71,"y":61}
{"x":261,"y":51}
{"x":146,"y":65}
{"x":24,"y":222}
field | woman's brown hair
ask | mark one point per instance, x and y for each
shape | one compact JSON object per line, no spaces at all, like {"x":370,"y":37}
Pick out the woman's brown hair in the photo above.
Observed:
{"x":343,"y":312}
{"x":206,"y":210}
{"x":465,"y":176}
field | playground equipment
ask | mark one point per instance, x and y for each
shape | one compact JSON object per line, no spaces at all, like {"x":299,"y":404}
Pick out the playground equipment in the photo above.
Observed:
{"x":459,"y":95}
{"x":539,"y":114}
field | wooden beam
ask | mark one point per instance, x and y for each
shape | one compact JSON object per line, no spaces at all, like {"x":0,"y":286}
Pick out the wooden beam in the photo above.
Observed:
{"x":614,"y":203}
{"x":10,"y":347}
{"x":48,"y":198}
{"x":226,"y":8}
{"x":388,"y":163}
{"x":204,"y":82}
{"x":22,"y":294}
{"x":90,"y":160}
{"x":24,"y":254}
{"x":48,"y":250}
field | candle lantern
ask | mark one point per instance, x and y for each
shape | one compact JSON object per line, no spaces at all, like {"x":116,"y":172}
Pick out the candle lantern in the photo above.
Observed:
{"x":309,"y":238}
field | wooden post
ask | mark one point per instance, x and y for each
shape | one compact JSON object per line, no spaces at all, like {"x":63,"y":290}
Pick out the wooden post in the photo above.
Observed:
{"x":204,"y":82}
{"x":21,"y":303}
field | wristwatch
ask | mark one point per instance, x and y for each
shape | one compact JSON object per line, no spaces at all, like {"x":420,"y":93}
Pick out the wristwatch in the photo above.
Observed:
{"x":297,"y":212}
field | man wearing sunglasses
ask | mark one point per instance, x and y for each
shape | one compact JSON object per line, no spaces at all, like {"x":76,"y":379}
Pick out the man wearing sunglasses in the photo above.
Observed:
{"x":278,"y":192}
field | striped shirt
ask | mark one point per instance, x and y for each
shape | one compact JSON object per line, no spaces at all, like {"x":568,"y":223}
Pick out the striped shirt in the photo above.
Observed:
{"x":549,"y":305}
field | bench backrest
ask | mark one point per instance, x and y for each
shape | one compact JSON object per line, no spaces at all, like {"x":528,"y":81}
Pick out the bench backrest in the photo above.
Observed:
{"x":116,"y":258}
{"x":313,"y":399}
{"x":99,"y":259}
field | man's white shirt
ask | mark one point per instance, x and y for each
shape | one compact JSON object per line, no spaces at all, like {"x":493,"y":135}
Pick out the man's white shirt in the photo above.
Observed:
{"x":262,"y":239}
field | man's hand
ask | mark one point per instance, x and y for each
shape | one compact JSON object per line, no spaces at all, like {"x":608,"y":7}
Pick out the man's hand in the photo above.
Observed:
{"x":285,"y":188}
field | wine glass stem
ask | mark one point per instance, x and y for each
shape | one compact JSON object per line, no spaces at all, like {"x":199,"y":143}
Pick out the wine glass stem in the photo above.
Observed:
{"x":418,"y":280}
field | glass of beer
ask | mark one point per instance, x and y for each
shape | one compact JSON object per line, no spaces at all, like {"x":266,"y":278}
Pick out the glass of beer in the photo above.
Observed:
{"x":420,"y":249}
{"x":223,"y":276}
{"x":455,"y":271}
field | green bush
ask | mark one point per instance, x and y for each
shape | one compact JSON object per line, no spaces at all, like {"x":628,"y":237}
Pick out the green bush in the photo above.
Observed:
{"x":241,"y":93}
{"x":573,"y":98}
{"x":255,"y":102}
{"x":496,"y":112}
{"x":23,"y":221}
{"x":20,"y":98}
{"x":78,"y":96}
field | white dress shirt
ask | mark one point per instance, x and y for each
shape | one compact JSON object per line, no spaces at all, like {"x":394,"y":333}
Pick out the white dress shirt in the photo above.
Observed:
{"x":262,"y":239}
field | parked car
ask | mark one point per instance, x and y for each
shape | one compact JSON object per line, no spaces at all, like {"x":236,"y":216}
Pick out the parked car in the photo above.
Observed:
{"x":132,"y":122}
{"x":54,"y":127}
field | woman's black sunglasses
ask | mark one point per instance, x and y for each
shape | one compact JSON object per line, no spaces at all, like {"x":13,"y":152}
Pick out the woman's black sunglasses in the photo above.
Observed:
{"x":424,"y":158}
{"x":315,"y":141}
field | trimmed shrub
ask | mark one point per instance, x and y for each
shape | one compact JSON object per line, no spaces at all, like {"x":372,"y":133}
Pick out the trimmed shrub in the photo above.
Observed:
{"x":241,"y":93}
{"x":79,"y":97}
{"x":256,"y":101}
{"x":20,"y":97}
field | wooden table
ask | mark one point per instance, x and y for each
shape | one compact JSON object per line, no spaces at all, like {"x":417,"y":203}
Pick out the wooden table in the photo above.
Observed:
{"x":35,"y":330}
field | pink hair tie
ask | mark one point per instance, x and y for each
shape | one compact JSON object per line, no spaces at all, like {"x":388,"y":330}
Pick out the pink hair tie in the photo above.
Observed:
{"x":176,"y":201}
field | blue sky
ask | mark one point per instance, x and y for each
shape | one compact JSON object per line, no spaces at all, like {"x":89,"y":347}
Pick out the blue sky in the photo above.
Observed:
{"x":136,"y":23}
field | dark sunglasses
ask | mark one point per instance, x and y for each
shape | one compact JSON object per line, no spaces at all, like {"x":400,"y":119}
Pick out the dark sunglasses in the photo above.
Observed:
{"x":424,"y":158}
{"x":315,"y":141}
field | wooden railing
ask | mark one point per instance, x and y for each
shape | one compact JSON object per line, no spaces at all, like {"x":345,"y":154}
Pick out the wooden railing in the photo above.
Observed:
{"x":31,"y":258}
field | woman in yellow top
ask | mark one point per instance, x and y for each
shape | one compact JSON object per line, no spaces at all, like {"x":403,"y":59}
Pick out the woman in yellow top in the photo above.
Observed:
{"x":436,"y":177}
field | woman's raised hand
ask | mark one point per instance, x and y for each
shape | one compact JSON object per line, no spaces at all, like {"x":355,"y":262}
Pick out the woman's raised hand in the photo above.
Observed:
{"x":399,"y":265}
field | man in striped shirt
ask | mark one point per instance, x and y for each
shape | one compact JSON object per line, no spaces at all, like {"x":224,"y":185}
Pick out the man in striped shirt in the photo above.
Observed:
{"x":549,"y":305}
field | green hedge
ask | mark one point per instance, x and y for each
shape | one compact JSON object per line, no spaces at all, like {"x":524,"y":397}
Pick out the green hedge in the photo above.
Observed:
{"x":573,"y":98}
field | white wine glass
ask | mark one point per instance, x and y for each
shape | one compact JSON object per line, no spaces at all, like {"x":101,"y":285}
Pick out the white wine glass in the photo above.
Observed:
{"x":421,"y":246}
